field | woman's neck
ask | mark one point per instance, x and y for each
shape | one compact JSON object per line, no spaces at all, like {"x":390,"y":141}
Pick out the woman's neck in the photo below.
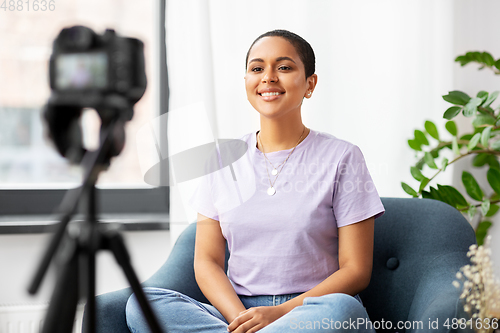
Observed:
{"x":275,"y":136}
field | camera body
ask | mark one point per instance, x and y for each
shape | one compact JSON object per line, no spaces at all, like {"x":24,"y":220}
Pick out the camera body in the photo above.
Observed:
{"x":86,"y":68}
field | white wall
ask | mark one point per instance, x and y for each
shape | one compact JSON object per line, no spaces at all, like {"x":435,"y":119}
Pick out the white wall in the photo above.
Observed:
{"x":476,"y":27}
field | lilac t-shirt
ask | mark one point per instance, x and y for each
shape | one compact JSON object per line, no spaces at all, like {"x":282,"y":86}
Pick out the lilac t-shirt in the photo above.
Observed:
{"x":287,"y":243}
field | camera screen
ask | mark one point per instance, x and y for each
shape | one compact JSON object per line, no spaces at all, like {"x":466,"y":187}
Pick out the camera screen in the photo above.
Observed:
{"x":81,"y":71}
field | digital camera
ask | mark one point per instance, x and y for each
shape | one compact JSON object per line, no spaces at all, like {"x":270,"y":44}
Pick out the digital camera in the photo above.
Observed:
{"x":86,"y":67}
{"x":86,"y":70}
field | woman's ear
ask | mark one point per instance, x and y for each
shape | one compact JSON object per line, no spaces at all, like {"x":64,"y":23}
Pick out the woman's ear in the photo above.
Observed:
{"x":311,"y":84}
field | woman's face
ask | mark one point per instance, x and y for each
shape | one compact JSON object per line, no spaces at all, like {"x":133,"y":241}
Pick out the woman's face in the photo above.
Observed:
{"x":275,"y":80}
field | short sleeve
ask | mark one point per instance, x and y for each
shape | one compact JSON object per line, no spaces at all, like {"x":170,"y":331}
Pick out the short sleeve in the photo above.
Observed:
{"x":202,"y":199}
{"x":355,"y":197}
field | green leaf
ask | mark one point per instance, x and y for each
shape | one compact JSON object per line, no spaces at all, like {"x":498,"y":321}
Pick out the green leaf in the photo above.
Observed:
{"x":470,"y":108}
{"x":454,"y":146}
{"x":407,"y":188}
{"x":491,"y":98}
{"x":483,"y":95}
{"x":488,"y":59}
{"x":466,"y":137}
{"x":423,"y":184}
{"x":471,"y":186}
{"x":421,"y":138}
{"x":426,"y":195}
{"x":451,"y":127}
{"x":480,"y":159}
{"x":493,"y":210}
{"x":429,"y":160}
{"x":482,"y":119}
{"x":436,"y":195}
{"x":452,"y":112}
{"x":431,"y":128}
{"x":464,"y":60}
{"x":485,"y":137}
{"x":444,"y":164}
{"x":457,"y":198}
{"x":493,"y":176}
{"x":414,"y":144}
{"x":471,"y":212}
{"x":497,"y":64}
{"x":478,"y":56}
{"x":493,"y":162}
{"x":495,"y":145}
{"x":457,"y":97}
{"x":482,"y":231}
{"x":485,"y":207}
{"x":474,"y":141}
{"x":415,"y":172}
{"x":444,"y":195}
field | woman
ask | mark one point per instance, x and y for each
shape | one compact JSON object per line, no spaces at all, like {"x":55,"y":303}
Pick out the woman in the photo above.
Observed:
{"x":297,"y":212}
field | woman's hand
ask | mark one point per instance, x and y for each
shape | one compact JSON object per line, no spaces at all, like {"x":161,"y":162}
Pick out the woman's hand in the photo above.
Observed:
{"x":253,"y":319}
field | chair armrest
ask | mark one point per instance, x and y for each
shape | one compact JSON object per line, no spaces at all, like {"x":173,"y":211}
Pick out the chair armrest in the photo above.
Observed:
{"x":436,"y":302}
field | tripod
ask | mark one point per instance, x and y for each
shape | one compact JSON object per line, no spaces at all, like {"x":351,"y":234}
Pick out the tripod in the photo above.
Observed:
{"x":78,"y":247}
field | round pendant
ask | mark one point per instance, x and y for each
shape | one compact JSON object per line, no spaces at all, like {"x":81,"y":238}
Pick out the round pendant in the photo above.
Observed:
{"x":274,"y":172}
{"x":271,"y":191}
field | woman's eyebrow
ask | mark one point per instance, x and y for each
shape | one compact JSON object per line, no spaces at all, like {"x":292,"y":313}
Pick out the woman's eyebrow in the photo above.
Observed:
{"x":285,"y":58}
{"x":277,"y":59}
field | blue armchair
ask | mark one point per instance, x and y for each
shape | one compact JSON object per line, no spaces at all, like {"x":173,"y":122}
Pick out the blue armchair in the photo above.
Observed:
{"x":420,"y":244}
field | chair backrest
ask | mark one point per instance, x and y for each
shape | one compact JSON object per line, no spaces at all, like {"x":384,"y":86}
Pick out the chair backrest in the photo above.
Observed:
{"x":411,"y":238}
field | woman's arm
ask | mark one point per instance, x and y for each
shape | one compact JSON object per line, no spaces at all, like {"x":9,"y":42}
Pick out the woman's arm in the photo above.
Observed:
{"x":209,"y":257}
{"x":353,"y":275}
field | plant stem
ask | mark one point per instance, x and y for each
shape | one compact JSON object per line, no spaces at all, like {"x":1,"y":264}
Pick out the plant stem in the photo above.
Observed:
{"x":478,"y":205}
{"x":488,"y":151}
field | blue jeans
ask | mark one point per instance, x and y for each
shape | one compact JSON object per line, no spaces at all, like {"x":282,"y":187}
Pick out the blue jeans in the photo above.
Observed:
{"x":179,"y":313}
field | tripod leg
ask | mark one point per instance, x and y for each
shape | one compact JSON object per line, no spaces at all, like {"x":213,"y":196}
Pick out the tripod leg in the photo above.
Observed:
{"x":89,"y":268}
{"x":62,"y":309}
{"x":117,"y":246}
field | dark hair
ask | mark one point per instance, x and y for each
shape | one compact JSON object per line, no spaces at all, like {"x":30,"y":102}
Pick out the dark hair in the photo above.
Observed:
{"x":302,"y":47}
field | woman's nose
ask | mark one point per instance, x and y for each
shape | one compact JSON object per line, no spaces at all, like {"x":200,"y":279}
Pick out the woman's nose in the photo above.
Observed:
{"x":270,"y":76}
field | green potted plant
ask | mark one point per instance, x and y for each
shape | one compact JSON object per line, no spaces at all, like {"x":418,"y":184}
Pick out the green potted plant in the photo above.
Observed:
{"x":483,"y":142}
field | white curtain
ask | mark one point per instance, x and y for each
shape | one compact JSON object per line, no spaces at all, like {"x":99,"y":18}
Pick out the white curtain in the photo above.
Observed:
{"x":382,"y":67}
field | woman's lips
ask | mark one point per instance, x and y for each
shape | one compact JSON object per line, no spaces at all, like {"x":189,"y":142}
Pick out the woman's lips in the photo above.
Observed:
{"x":269,"y":96}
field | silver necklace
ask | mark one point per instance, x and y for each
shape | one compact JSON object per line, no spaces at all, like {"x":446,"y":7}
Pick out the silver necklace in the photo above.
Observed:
{"x":271,"y":190}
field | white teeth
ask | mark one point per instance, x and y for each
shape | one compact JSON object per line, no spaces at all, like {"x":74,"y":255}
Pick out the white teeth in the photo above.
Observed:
{"x":270,"y":94}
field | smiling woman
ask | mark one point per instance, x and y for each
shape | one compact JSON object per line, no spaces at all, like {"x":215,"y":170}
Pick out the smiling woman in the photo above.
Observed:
{"x":297,"y":250}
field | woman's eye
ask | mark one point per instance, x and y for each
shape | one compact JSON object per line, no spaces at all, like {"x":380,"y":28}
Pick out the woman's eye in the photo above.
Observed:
{"x":256,"y":69}
{"x":284,"y":68}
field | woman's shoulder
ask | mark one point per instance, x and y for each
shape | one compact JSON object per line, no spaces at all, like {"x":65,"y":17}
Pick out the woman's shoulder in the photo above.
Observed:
{"x":324,"y":140}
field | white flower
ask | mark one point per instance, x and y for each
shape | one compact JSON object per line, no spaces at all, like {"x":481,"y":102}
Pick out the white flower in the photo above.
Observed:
{"x":480,"y":288}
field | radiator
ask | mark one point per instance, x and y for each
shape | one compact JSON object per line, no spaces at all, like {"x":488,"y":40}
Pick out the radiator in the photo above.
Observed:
{"x":29,"y":318}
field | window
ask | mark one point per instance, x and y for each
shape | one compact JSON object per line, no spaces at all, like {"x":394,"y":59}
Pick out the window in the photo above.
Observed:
{"x":33,"y":177}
